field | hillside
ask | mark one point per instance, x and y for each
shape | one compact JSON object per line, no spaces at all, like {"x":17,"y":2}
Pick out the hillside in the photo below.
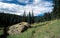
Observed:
{"x":49,"y":29}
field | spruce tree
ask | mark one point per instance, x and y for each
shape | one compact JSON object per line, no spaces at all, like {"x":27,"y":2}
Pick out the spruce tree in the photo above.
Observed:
{"x":32,"y":18}
{"x":24,"y":17}
{"x":29,"y":18}
{"x":56,"y":10}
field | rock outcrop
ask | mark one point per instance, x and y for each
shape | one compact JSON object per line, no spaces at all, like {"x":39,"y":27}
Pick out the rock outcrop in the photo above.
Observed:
{"x":18,"y":28}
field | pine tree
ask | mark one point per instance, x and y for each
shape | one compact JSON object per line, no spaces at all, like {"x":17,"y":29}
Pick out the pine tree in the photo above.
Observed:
{"x":56,"y":10}
{"x":32,"y":17}
{"x":24,"y":17}
{"x":47,"y":16}
{"x":29,"y":18}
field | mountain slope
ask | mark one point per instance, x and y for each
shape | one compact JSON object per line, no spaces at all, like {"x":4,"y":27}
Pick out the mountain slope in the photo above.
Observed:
{"x":49,"y":29}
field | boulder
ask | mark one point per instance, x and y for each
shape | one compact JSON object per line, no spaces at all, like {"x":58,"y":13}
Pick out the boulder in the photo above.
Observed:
{"x":18,"y":28}
{"x":25,"y":24}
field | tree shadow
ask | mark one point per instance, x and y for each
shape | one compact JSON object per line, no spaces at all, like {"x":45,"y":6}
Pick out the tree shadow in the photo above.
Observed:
{"x":5,"y":34}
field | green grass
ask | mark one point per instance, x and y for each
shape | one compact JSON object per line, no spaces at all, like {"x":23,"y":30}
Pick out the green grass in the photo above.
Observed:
{"x":26,"y":34}
{"x":49,"y":29}
{"x":1,"y":31}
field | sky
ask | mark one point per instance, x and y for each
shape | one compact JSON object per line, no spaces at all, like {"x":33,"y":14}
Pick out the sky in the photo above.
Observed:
{"x":18,"y":7}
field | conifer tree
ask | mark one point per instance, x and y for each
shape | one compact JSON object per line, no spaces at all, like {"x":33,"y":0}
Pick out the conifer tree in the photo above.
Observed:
{"x":29,"y":18}
{"x":24,"y":17}
{"x":32,"y":17}
{"x":56,"y":10}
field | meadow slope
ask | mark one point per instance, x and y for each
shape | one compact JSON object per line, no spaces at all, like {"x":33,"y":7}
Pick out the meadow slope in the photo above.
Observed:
{"x":48,"y":29}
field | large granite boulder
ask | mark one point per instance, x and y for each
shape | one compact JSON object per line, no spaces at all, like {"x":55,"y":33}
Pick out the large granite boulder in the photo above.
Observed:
{"x":18,"y":28}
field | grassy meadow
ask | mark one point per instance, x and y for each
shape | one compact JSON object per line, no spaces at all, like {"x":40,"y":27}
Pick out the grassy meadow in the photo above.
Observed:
{"x":48,"y":29}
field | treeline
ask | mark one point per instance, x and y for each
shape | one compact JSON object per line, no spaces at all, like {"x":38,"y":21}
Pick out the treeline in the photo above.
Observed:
{"x":30,"y":18}
{"x":9,"y":19}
